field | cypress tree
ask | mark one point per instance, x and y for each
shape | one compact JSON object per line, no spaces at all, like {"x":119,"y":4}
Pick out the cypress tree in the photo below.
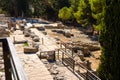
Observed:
{"x":109,"y":38}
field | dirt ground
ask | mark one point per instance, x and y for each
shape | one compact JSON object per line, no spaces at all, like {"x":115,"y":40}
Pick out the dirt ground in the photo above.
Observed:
{"x":79,"y":36}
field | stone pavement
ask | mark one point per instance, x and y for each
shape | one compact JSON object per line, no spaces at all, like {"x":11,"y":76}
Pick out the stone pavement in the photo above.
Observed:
{"x":48,"y":42}
{"x":34,"y":68}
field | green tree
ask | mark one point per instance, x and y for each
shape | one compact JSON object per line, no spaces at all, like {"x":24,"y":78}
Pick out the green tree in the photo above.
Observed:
{"x":14,"y":7}
{"x":109,"y":68}
{"x":83,"y":14}
{"x":65,"y":13}
{"x":97,"y":12}
{"x":7,"y":6}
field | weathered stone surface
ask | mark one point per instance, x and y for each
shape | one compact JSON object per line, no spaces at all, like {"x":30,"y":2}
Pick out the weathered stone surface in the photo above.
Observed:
{"x":30,"y":50}
{"x":19,"y":42}
{"x":43,"y":56}
{"x":51,"y":56}
{"x":0,"y":44}
{"x":36,"y":39}
{"x":19,"y":39}
{"x":27,"y":34}
{"x":45,"y":33}
{"x":3,"y":32}
{"x":85,"y":51}
{"x":54,"y":30}
{"x":2,"y":75}
{"x":93,"y":47}
{"x":36,"y":45}
{"x":60,"y":31}
{"x":41,"y":28}
{"x":32,"y":35}
{"x":90,"y":46}
{"x":67,"y":34}
{"x":86,"y":64}
{"x":81,"y":55}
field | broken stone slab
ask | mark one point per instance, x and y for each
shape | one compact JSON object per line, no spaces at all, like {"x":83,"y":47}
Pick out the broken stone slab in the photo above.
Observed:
{"x":59,"y":77}
{"x":1,"y":57}
{"x":4,"y":32}
{"x":76,"y":48}
{"x":86,"y":64}
{"x":30,"y":50}
{"x":80,"y":54}
{"x":36,"y":39}
{"x":54,"y":30}
{"x":60,"y":31}
{"x":0,"y":44}
{"x":1,"y":49}
{"x":90,"y":46}
{"x":36,"y":45}
{"x":29,"y":25}
{"x":68,"y":35}
{"x":1,"y":54}
{"x":43,"y":56}
{"x":45,"y":33}
{"x":32,"y":35}
{"x":20,"y":42}
{"x":26,"y":34}
{"x":27,"y":30}
{"x":93,"y":47}
{"x":51,"y":56}
{"x":54,"y":72}
{"x":22,"y":26}
{"x":2,"y":75}
{"x":86,"y":52}
{"x":1,"y":60}
{"x":41,"y":28}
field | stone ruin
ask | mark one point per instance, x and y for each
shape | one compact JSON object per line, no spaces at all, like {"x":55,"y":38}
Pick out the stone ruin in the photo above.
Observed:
{"x":4,"y":32}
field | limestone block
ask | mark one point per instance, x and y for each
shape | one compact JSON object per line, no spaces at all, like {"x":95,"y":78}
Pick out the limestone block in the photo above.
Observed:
{"x":30,"y":50}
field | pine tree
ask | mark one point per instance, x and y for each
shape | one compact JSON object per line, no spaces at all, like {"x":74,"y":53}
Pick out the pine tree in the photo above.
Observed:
{"x":109,"y":38}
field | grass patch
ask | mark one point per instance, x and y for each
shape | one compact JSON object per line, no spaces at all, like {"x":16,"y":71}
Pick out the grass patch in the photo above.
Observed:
{"x":25,"y":45}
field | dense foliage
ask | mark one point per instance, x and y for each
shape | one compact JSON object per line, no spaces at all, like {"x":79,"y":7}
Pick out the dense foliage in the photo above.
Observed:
{"x":109,"y":68}
{"x":88,"y":13}
{"x":97,"y":12}
{"x":34,"y":8}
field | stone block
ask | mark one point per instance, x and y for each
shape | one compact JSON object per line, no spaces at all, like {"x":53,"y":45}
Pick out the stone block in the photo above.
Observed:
{"x":30,"y":50}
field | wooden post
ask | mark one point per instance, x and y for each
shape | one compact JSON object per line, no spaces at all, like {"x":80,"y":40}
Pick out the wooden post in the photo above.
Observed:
{"x":65,"y":47}
{"x":72,"y":50}
{"x":40,"y":55}
{"x":54,"y":56}
{"x":58,"y":55}
{"x":73,"y":66}
{"x":42,"y":41}
{"x":61,"y":45}
{"x":62,"y":57}
{"x":86,"y":75}
{"x":13,"y":39}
